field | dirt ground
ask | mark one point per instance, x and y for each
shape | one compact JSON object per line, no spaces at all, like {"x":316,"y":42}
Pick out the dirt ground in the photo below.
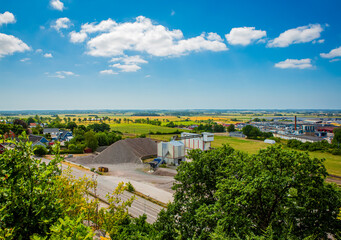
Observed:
{"x":162,"y":178}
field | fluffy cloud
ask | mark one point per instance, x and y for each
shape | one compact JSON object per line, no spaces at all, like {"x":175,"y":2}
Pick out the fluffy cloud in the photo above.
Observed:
{"x":113,"y":39}
{"x":67,"y":73}
{"x":297,"y":35}
{"x":25,"y":59}
{"x":126,"y":67}
{"x":76,"y":37}
{"x":48,"y":55}
{"x":61,"y":23}
{"x":129,"y":59}
{"x":57,"y":4}
{"x":129,"y":63}
{"x":62,"y":74}
{"x":332,"y":54}
{"x":244,"y":35}
{"x":108,"y":72}
{"x":10,"y":44}
{"x":295,"y":63}
{"x":6,"y":18}
{"x":89,"y":28}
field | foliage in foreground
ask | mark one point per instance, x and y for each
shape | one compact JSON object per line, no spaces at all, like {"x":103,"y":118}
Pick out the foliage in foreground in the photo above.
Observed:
{"x":227,"y":194}
{"x":221,"y":194}
{"x":38,"y":202}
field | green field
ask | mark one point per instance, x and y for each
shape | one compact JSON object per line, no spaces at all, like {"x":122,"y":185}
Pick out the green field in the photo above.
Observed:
{"x":137,"y":129}
{"x":165,"y":138}
{"x":332,"y":162}
{"x":246,"y":145}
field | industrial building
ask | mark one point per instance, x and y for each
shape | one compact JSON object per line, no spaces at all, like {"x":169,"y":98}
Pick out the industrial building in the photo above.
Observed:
{"x":197,"y":141}
{"x":174,"y":152}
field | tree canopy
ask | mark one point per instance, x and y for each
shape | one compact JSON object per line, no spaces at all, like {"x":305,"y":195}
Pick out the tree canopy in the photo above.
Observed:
{"x":226,"y":194}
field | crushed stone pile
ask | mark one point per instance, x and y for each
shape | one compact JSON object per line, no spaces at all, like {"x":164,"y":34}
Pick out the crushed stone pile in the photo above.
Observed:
{"x":130,"y":150}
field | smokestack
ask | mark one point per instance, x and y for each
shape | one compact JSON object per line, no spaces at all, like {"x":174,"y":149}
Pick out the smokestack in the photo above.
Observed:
{"x":295,"y":123}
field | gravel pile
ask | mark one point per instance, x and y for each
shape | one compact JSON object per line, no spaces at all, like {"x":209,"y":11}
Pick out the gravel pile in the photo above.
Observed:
{"x":130,"y":150}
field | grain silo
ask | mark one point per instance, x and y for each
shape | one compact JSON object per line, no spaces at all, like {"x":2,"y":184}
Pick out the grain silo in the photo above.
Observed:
{"x":172,"y":152}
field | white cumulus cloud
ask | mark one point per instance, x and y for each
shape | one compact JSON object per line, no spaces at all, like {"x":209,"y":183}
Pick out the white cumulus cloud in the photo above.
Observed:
{"x":89,"y":28}
{"x":332,"y":54}
{"x":10,"y":44}
{"x":61,"y":23}
{"x":126,"y":67}
{"x":76,"y":37}
{"x":142,"y":35}
{"x":68,"y":73}
{"x":48,"y":55}
{"x":6,"y":18}
{"x":244,"y":35}
{"x":62,"y":74}
{"x":129,"y":59}
{"x":297,"y":35}
{"x":57,"y":4}
{"x":25,"y":59}
{"x":108,"y":72}
{"x":111,"y":39}
{"x":295,"y":63}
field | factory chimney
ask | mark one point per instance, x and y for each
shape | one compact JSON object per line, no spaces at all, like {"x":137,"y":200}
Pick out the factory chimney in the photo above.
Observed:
{"x":295,"y":123}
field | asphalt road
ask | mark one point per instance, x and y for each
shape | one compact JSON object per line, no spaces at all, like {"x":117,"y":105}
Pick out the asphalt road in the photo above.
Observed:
{"x":106,"y":185}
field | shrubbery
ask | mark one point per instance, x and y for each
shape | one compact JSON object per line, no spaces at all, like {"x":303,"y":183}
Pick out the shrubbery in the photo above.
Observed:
{"x":316,"y":146}
{"x":40,"y":151}
{"x":254,"y":133}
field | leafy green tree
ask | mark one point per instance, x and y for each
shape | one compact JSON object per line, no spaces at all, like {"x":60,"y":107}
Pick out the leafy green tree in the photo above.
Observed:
{"x":224,"y":193}
{"x":17,"y":129}
{"x":337,"y":136}
{"x":68,"y":228}
{"x":195,"y":186}
{"x":27,"y":192}
{"x":5,"y":129}
{"x":31,"y":120}
{"x":20,"y":122}
{"x":40,"y":151}
{"x":71,"y":126}
{"x":91,"y":140}
{"x":102,"y":139}
{"x":231,"y":128}
{"x":99,"y":127}
{"x":277,"y":189}
{"x":113,"y":137}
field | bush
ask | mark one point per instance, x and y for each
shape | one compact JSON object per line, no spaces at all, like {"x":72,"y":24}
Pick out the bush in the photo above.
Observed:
{"x":336,"y":151}
{"x":130,"y":187}
{"x":40,"y":151}
{"x":67,"y":151}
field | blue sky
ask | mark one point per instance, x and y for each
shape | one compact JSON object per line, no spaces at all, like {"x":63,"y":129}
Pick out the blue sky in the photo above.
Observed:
{"x":73,"y":54}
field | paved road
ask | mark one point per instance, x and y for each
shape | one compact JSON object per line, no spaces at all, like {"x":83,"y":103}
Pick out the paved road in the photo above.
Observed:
{"x":106,"y":185}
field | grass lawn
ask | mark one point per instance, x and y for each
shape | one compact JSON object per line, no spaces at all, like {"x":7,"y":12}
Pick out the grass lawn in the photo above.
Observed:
{"x":332,"y":162}
{"x":164,"y":138}
{"x":137,"y":129}
{"x":246,"y":145}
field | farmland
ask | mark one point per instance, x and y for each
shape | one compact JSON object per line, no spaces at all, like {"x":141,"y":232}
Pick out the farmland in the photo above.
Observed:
{"x":138,"y":129}
{"x":125,"y":123}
